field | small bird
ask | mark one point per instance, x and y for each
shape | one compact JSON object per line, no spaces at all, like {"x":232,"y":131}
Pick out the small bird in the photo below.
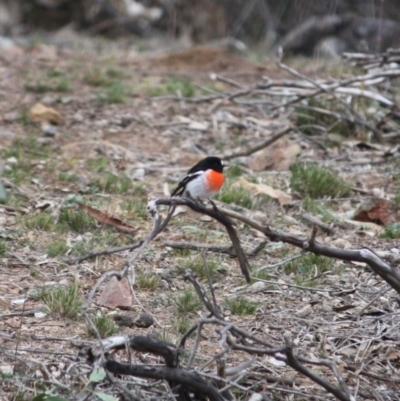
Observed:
{"x":203,"y":180}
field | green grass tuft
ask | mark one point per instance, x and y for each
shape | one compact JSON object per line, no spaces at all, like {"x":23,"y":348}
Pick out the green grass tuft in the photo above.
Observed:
{"x":113,"y":94}
{"x":181,"y":87}
{"x":147,"y":280}
{"x":3,"y":248}
{"x":182,"y":324}
{"x":75,"y":220}
{"x":96,"y":77}
{"x":187,"y":302}
{"x":233,"y":171}
{"x":317,"y":182}
{"x":241,"y":306}
{"x":104,"y":325}
{"x":61,"y":302}
{"x":57,"y":248}
{"x":98,"y":165}
{"x":113,"y":184}
{"x":309,"y":265}
{"x":39,"y":221}
{"x":237,"y":195}
{"x":392,"y":231}
{"x":197,"y":266}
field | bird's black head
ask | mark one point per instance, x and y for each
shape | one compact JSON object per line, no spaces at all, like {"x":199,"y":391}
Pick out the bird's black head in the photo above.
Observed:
{"x":210,"y":162}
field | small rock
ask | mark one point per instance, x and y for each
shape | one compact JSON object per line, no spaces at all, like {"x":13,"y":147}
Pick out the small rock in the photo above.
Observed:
{"x":378,"y":211}
{"x":125,"y":122}
{"x":116,"y":294}
{"x":41,"y":113}
{"x":49,"y":130}
{"x":257,"y":286}
{"x":12,"y":160}
{"x":124,"y":321}
{"x":144,"y":320}
{"x":305,"y":311}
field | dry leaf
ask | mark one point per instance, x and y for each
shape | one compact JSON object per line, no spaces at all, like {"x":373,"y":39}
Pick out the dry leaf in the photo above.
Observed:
{"x":262,"y":189}
{"x":103,"y":218}
{"x":40,"y":112}
{"x":305,"y":311}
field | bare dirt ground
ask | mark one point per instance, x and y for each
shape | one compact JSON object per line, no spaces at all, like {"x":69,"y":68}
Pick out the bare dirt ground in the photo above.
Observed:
{"x":132,"y":124}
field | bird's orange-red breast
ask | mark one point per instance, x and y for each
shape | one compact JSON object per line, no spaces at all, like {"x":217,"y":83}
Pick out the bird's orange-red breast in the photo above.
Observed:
{"x":214,"y":180}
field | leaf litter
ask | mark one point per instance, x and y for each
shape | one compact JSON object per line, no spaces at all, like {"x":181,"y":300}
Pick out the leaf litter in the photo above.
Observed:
{"x":344,"y":313}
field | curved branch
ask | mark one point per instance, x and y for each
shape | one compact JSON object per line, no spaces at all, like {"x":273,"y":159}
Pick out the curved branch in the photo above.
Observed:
{"x":178,"y":376}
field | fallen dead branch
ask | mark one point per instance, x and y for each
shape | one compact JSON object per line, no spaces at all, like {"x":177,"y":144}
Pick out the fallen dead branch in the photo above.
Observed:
{"x":338,"y":98}
{"x":185,"y":382}
{"x":365,"y":255}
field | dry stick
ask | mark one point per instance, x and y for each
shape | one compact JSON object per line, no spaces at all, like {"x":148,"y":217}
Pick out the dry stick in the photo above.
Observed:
{"x":130,"y":395}
{"x":367,"y":79}
{"x":365,"y":255}
{"x":108,"y":251}
{"x":216,"y":214}
{"x":201,"y":247}
{"x":358,"y":118}
{"x":181,"y":376}
{"x":210,"y":284}
{"x":316,"y":221}
{"x":230,"y":96}
{"x":283,"y":131}
{"x":294,"y":363}
{"x":213,"y":248}
{"x":292,"y":360}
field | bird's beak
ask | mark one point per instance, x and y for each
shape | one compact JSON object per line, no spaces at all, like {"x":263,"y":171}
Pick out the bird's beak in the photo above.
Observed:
{"x":225,"y":164}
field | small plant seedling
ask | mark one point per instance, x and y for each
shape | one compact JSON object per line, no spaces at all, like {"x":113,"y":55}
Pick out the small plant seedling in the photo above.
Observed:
{"x":61,"y":302}
{"x":241,"y":306}
{"x":233,"y":171}
{"x":182,"y":324}
{"x":136,"y":208}
{"x":167,"y":337}
{"x":115,"y":93}
{"x":188,"y":302}
{"x":309,"y":265}
{"x":99,"y":165}
{"x":96,"y":77}
{"x":260,"y":274}
{"x":57,"y":248}
{"x":75,"y":220}
{"x":39,"y":221}
{"x":197,"y":265}
{"x":396,"y":200}
{"x":237,"y":195}
{"x":316,"y":208}
{"x":3,"y":248}
{"x":181,"y":87}
{"x":392,"y":231}
{"x":104,"y":325}
{"x":317,"y":182}
{"x":113,"y":184}
{"x":147,"y":280}
{"x":66,"y":177}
